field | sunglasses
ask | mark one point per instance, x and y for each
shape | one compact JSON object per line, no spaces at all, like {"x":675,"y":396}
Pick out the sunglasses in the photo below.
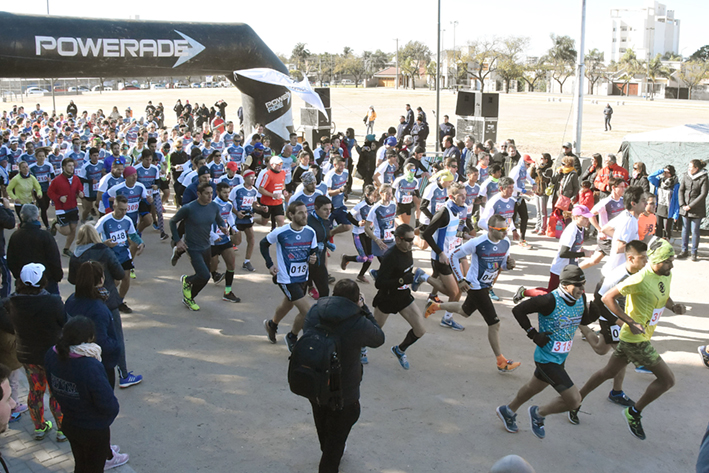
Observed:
{"x":407,"y":240}
{"x":499,"y":229}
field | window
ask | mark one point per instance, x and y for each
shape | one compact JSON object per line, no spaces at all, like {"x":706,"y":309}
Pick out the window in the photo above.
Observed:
{"x":622,"y":50}
{"x":623,"y":28}
{"x":614,"y":40}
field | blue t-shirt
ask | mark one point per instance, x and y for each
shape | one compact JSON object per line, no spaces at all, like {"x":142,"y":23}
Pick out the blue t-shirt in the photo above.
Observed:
{"x":117,"y":231}
{"x":133,"y":194}
{"x":293,"y":249}
{"x":243,"y":201}
{"x":336,"y":181}
{"x":487,"y":260}
{"x":88,"y":173}
{"x":43,"y":174}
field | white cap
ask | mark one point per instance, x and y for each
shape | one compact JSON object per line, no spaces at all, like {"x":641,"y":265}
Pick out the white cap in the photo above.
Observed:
{"x":31,"y":274}
{"x":275,"y":160}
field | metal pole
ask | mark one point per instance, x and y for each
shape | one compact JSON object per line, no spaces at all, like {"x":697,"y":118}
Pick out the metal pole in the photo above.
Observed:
{"x":455,"y":57}
{"x":54,"y":98}
{"x":396,"y":84}
{"x":438,"y":78}
{"x":47,"y":7}
{"x":580,"y":71}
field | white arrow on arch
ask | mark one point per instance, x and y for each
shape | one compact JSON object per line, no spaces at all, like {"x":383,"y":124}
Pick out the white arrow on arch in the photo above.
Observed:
{"x":194,"y":48}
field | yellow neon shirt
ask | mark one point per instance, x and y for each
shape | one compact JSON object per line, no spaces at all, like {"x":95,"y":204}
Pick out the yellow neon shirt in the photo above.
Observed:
{"x":647,"y":293}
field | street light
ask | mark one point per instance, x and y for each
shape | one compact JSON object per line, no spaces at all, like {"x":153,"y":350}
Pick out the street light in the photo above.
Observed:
{"x":455,"y":54}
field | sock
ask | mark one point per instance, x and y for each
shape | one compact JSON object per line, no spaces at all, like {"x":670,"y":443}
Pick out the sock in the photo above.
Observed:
{"x":409,"y":340}
{"x":229,"y":279}
{"x":616,"y":393}
{"x":246,"y":261}
{"x":447,"y":316}
{"x":634,"y":412}
{"x":425,"y":277}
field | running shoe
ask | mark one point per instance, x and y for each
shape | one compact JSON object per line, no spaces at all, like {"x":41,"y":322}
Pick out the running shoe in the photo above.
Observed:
{"x":705,"y":356}
{"x":186,"y":288}
{"x":431,"y":307}
{"x":620,"y":399}
{"x":230,"y":297}
{"x":20,"y":408}
{"x":164,"y":236}
{"x":519,"y":295}
{"x":331,"y":280}
{"x":290,"y":340}
{"x":494,"y":296}
{"x":117,"y":460}
{"x":39,"y":434}
{"x":509,"y":418}
{"x":508,"y":366}
{"x":524,"y":244}
{"x":218,"y":277}
{"x":363,"y":356}
{"x":14,"y":417}
{"x":313,"y":292}
{"x":401,"y":356}
{"x":115,"y":449}
{"x":536,"y":421}
{"x":67,"y":252}
{"x":248,"y":266}
{"x":634,"y":424}
{"x":175,"y":256}
{"x":435,"y":298}
{"x":60,"y":436}
{"x":418,"y":279}
{"x":271,"y":330}
{"x":642,"y":370}
{"x":344,"y":263}
{"x":129,"y":380}
{"x":450,"y":323}
{"x":155,"y":226}
{"x":53,"y":228}
{"x":132,"y":274}
{"x":124,"y":308}
{"x":573,"y":416}
{"x":191,"y":304}
{"x":374,"y":273}
{"x":363,"y":279}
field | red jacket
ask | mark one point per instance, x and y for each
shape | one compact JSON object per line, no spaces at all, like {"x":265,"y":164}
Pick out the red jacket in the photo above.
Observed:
{"x":586,"y":198}
{"x":60,"y":187}
{"x":612,"y":170}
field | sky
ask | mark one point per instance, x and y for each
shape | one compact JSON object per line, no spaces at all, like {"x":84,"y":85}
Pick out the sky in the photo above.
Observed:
{"x":371,"y":25}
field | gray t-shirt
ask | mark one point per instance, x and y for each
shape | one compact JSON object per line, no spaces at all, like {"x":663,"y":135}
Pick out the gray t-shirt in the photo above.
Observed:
{"x":198,"y":220}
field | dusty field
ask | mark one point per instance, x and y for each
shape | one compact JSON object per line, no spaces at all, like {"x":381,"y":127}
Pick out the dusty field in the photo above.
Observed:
{"x":215,"y":396}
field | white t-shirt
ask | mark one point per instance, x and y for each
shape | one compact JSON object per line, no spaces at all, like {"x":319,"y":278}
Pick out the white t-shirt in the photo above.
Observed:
{"x":626,"y":230}
{"x":572,"y":236}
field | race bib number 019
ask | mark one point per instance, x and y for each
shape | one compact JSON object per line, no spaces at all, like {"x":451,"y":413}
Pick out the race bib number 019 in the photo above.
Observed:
{"x":656,"y":316}
{"x":298,"y":269}
{"x":562,"y":347}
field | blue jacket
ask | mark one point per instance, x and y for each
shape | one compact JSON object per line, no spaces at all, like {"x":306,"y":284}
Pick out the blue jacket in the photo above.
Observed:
{"x":96,"y":310}
{"x":654,"y":179}
{"x":81,"y":387}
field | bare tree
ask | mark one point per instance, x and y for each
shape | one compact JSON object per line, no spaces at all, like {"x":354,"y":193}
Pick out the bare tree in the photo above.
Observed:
{"x":595,"y":68}
{"x":692,"y":73}
{"x":483,"y":59}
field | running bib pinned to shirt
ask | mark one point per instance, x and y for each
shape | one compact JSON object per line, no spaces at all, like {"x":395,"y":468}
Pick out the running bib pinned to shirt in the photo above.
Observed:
{"x":439,"y":205}
{"x":94,"y":186}
{"x":248,"y":201}
{"x":407,"y":199}
{"x":388,"y":235}
{"x":615,"y":333}
{"x":118,"y":236}
{"x":298,"y":269}
{"x":656,"y":316}
{"x":488,"y":276}
{"x":133,"y":207}
{"x":562,"y":347}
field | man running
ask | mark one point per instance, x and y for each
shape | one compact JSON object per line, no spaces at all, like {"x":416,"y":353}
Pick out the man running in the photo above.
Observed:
{"x":63,"y":190}
{"x":624,"y":227}
{"x":362,"y":242}
{"x":221,"y":243}
{"x":198,"y":215}
{"x":604,"y":211}
{"x":243,"y":198}
{"x":560,"y":313}
{"x":319,"y":220}
{"x":296,"y":248}
{"x":648,"y":295}
{"x":336,"y":180}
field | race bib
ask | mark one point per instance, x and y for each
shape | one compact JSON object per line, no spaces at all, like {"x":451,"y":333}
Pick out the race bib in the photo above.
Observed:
{"x":94,"y":186}
{"x":42,"y":178}
{"x":248,"y":201}
{"x":562,"y":347}
{"x":470,"y":209}
{"x":298,"y":269}
{"x":133,"y":207}
{"x":615,"y":332}
{"x":407,"y":199}
{"x":488,"y":276}
{"x":118,"y":237}
{"x":656,"y":316}
{"x":388,"y":235}
{"x":15,"y":167}
{"x":439,"y":205}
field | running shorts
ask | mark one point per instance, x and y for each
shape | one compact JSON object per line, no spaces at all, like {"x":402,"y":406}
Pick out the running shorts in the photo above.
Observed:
{"x":479,"y":299}
{"x":440,"y":268}
{"x":393,"y":302}
{"x":70,"y":216}
{"x":293,"y":291}
{"x":640,"y":354}
{"x":554,"y":374}
{"x":403,"y":209}
{"x":219,"y":249}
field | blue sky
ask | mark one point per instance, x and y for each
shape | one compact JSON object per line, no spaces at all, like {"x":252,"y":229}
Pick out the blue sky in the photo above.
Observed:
{"x":371,"y":25}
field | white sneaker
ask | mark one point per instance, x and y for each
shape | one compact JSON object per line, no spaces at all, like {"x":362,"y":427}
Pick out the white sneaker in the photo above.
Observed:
{"x":117,"y":460}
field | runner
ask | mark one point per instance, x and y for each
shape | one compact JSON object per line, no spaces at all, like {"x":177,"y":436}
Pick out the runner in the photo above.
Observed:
{"x":520,"y":175}
{"x":149,"y":176}
{"x":491,"y":254}
{"x":137,"y":195}
{"x":432,"y":200}
{"x":336,"y":180}
{"x":308,"y":193}
{"x":604,"y":211}
{"x":270,"y":184}
{"x":44,"y":173}
{"x":319,"y":220}
{"x":118,"y":233}
{"x":296,"y":248}
{"x":560,"y":312}
{"x":63,"y":190}
{"x":380,"y":223}
{"x":387,"y":171}
{"x":243,"y":198}
{"x":624,"y":227}
{"x":198,"y":216}
{"x":111,"y":179}
{"x":221,"y":243}
{"x":363,"y":244}
{"x":648,"y":295}
{"x":231,"y":177}
{"x":491,"y":186}
{"x":405,"y":189}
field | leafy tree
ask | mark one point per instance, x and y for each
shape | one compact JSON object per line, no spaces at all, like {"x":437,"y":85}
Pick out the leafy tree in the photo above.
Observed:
{"x":692,"y":73}
{"x":629,"y":65}
{"x":483,"y":56}
{"x":410,"y":69}
{"x":595,"y":68}
{"x":352,"y":65}
{"x":375,"y":61}
{"x":509,"y":67}
{"x":670,"y":56}
{"x":299,"y":55}
{"x":533,"y":72}
{"x":655,"y":69}
{"x":346,"y":51}
{"x":561,"y":58}
{"x":701,"y":54}
{"x":412,"y":57}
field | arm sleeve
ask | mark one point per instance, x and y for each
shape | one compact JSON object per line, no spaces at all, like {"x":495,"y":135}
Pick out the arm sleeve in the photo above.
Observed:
{"x":178,"y":217}
{"x":543,"y":305}
{"x":352,"y":219}
{"x":264,"y":246}
{"x":565,"y":252}
{"x":440,"y":220}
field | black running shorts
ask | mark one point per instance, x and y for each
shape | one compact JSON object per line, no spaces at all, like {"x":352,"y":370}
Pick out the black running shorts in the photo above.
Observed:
{"x":554,"y":374}
{"x":479,"y":299}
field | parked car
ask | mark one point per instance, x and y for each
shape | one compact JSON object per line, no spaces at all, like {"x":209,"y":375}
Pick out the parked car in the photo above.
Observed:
{"x":81,"y":88}
{"x":207,"y":85}
{"x":98,"y":88}
{"x":35,"y":91}
{"x":157,"y":86}
{"x":195,"y":85}
{"x":347,"y":82}
{"x":131,"y":87}
{"x":182,"y":86}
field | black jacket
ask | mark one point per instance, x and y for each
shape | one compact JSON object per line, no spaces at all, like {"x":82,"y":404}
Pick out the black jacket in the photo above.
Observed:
{"x":693,"y":192}
{"x":112,"y":269}
{"x":7,"y":221}
{"x":38,"y":321}
{"x":641,"y":182}
{"x":356,"y":327}
{"x":31,"y":244}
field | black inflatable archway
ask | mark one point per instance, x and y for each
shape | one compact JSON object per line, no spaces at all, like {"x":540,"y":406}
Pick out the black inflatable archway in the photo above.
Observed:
{"x":55,"y":47}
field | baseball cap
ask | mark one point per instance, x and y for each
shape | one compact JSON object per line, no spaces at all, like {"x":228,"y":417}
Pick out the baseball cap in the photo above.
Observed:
{"x":572,"y":274}
{"x":581,"y":210}
{"x":528,"y":159}
{"x":232,"y":165}
{"x":129,"y":171}
{"x":567,"y":145}
{"x":275,"y":160}
{"x":202,"y":171}
{"x":259,"y":146}
{"x":391,"y":141}
{"x":31,"y":274}
{"x":307,"y":178}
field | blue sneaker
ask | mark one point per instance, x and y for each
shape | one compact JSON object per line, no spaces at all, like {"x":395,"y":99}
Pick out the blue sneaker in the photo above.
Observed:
{"x":509,"y":418}
{"x":374,"y":273}
{"x":705,"y":356}
{"x":452,"y":324}
{"x":642,"y":370}
{"x":536,"y":421}
{"x":130,"y":380}
{"x":418,"y":279}
{"x":494,"y":296}
{"x":620,"y":399}
{"x":401,"y":356}
{"x":363,"y":356}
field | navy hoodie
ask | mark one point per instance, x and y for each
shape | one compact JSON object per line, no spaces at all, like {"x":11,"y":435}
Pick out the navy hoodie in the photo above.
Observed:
{"x":101,"y":316}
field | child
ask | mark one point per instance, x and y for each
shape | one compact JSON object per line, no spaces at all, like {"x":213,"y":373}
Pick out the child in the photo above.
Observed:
{"x":586,"y":198}
{"x":647,"y":222}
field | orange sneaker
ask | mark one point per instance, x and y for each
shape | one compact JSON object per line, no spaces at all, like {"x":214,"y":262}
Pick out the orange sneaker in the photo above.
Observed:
{"x":431,"y":307}
{"x":507,"y":366}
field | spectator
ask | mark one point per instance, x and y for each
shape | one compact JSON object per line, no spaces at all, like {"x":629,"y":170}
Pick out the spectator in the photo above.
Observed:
{"x":692,"y":202}
{"x":72,"y":109}
{"x":369,"y":120}
{"x":31,"y":244}
{"x":7,"y":221}
{"x":410,"y":120}
{"x":667,"y":190}
{"x":447,"y":128}
{"x":639,"y":177}
{"x":610,"y":169}
{"x":401,"y":128}
{"x":90,"y":407}
{"x":420,"y":132}
{"x":566,"y":180}
{"x":592,"y":171}
{"x":37,"y":317}
{"x":542,"y":174}
{"x":566,"y":150}
{"x":222,"y":105}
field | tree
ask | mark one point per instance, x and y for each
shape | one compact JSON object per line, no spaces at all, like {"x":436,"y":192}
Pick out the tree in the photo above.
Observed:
{"x":534,"y":71}
{"x":346,"y":51}
{"x":352,"y":65}
{"x":561,"y":58}
{"x":692,"y":73}
{"x":701,"y":54}
{"x":670,"y":56}
{"x":375,"y":61}
{"x":412,"y":57}
{"x":629,"y":65}
{"x":509,"y":67}
{"x":595,"y":68}
{"x":483,"y":56}
{"x":655,"y":69}
{"x":299,"y":55}
{"x":410,"y":69}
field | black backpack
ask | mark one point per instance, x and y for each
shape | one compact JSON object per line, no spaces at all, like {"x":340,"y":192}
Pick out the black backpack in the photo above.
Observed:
{"x":314,"y":370}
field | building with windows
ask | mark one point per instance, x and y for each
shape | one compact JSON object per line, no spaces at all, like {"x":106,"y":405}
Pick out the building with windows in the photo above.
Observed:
{"x":648,"y":31}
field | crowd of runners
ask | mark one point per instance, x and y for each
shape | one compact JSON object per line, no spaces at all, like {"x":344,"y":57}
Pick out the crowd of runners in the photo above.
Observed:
{"x":468,"y":206}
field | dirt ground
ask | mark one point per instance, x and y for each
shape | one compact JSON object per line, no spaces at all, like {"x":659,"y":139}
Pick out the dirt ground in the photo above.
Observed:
{"x":215,"y":396}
